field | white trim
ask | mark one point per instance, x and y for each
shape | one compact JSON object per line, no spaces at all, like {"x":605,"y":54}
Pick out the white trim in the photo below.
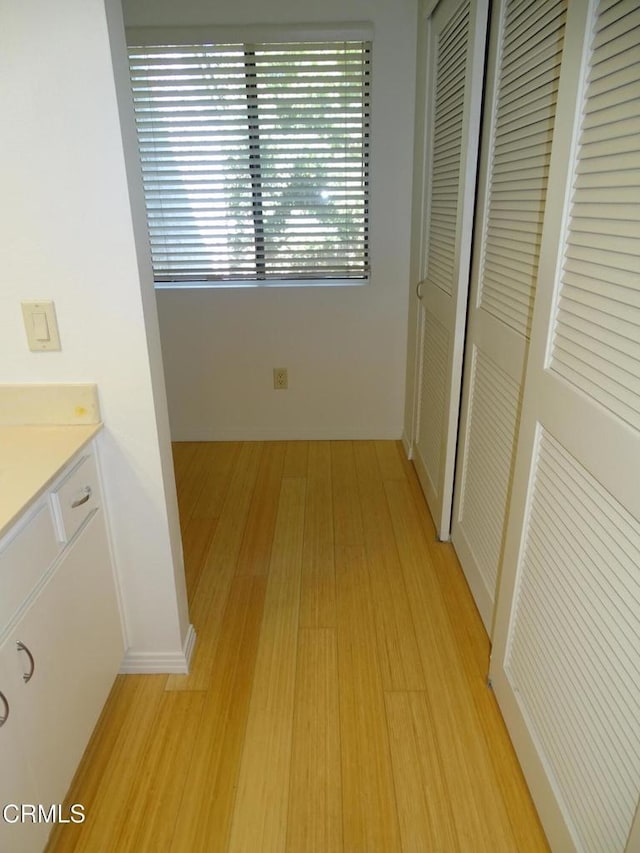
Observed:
{"x":264,"y":33}
{"x":418,"y":230}
{"x":408,"y":445}
{"x":161,"y":662}
{"x":242,"y":433}
{"x":189,"y":645}
{"x":268,"y":283}
{"x":115,"y":565}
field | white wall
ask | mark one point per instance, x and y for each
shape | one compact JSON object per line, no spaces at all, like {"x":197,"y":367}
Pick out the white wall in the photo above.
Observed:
{"x":345,"y":348}
{"x":68,"y":227}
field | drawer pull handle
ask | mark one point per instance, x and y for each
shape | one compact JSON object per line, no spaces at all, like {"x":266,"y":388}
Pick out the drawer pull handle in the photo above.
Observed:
{"x":27,"y":675}
{"x":79,"y":501}
{"x":3,"y":717}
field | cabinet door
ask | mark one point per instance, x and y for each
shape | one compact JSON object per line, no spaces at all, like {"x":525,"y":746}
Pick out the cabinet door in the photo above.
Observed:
{"x":17,"y":782}
{"x":73,"y":633}
{"x":453,"y":42}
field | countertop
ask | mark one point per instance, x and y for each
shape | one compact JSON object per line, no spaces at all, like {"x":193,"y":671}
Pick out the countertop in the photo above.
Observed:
{"x":30,"y":458}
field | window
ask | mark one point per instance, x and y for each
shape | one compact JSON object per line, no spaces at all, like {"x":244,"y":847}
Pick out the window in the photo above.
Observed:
{"x":255,"y":159}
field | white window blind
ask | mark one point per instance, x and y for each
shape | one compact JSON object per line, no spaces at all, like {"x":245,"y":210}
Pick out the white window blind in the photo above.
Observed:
{"x":255,"y":159}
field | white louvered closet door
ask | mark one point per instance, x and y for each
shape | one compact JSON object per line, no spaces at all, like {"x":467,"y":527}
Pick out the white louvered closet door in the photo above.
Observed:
{"x":455,"y":40}
{"x":566,"y":656}
{"x":520,"y":106}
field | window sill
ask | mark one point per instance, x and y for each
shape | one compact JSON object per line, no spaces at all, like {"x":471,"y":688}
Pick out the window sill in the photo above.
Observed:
{"x":217,"y":285}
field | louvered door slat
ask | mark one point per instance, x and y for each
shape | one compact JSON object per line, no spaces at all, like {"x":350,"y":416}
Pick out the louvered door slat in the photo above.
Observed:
{"x":527,"y":115}
{"x":523,"y":10}
{"x":543,"y":26}
{"x":503,"y":295}
{"x":530,"y":21}
{"x":592,"y":265}
{"x":616,"y":23}
{"x":619,"y":298}
{"x":515,"y":255}
{"x":619,"y":67}
{"x":619,"y":319}
{"x":540,"y":87}
{"x":603,"y":121}
{"x":579,"y":341}
{"x":508,"y":271}
{"x":614,"y":10}
{"x":511,"y":161}
{"x":535,"y":56}
{"x":512,"y":219}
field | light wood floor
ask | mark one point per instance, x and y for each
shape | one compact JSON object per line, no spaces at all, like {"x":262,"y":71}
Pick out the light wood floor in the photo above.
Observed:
{"x":337,"y":699}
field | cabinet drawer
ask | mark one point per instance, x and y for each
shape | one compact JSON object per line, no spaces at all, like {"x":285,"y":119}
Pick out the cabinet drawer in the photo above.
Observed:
{"x":24,"y":558}
{"x":76,"y":497}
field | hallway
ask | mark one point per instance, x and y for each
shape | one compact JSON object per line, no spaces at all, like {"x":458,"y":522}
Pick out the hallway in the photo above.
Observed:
{"x":337,"y":699}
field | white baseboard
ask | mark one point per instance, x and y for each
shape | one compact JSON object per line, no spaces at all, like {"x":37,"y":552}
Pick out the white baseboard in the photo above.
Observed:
{"x":161,"y":662}
{"x":284,"y":434}
{"x":189,"y":645}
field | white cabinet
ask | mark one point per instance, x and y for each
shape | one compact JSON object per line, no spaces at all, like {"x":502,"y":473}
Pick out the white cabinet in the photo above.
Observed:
{"x":59,"y":656}
{"x":72,"y":631}
{"x":17,"y":777}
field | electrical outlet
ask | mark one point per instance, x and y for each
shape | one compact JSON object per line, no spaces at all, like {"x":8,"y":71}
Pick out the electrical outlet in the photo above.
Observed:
{"x":280,"y":378}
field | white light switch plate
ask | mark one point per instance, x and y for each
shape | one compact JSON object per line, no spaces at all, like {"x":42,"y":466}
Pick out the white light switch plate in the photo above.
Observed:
{"x":41,"y":325}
